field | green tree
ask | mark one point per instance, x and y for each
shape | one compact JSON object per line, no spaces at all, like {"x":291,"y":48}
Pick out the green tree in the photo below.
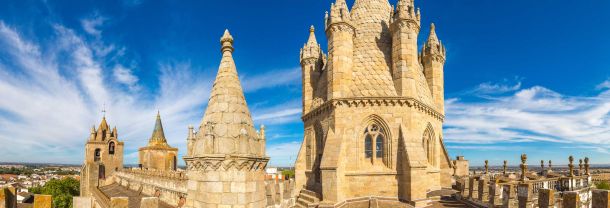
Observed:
{"x":289,"y":173}
{"x":603,"y":185}
{"x":62,"y":191}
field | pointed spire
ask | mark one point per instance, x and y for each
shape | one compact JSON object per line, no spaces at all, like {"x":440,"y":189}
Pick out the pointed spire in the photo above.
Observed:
{"x":311,"y":49}
{"x":190,"y":133}
{"x":312,"y":36}
{"x":432,"y":38}
{"x":262,"y":132}
{"x":227,"y":42}
{"x":115,"y":133}
{"x":339,"y":12}
{"x":433,"y":45}
{"x":158,"y":136}
{"x":405,"y":8}
{"x":227,"y":112}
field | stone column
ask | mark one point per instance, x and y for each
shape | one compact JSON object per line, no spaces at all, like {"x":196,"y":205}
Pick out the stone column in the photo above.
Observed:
{"x":466,"y":188}
{"x":524,"y":195}
{"x":472,"y":188}
{"x":119,"y":202}
{"x":495,"y":191}
{"x":42,"y":201}
{"x":571,"y":199}
{"x":8,"y":198}
{"x":460,"y":186}
{"x":508,"y":196}
{"x":483,"y":189}
{"x":546,"y":198}
{"x":601,"y":199}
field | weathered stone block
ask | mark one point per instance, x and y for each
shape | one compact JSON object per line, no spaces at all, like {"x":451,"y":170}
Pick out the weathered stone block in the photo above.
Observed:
{"x":524,"y":195}
{"x":82,"y":202}
{"x":601,"y":199}
{"x":149,"y":202}
{"x":119,"y":202}
{"x":43,"y":201}
{"x":8,"y":198}
{"x":571,"y":199}
{"x":546,"y":198}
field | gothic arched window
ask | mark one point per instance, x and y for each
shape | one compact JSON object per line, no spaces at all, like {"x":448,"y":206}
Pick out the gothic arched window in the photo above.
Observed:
{"x":368,"y":147}
{"x":375,"y":143}
{"x":429,"y":144}
{"x":97,"y":155}
{"x":111,"y":148}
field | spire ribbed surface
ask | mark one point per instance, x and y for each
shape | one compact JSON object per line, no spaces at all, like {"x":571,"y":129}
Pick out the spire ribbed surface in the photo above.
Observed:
{"x":158,"y":136}
{"x":227,"y":116}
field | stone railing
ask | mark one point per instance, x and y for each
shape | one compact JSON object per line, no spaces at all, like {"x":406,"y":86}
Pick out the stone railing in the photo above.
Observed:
{"x":479,"y":191}
{"x":178,"y":175}
{"x":116,"y":202}
{"x":168,"y":186}
{"x":101,"y":198}
{"x":280,"y":193}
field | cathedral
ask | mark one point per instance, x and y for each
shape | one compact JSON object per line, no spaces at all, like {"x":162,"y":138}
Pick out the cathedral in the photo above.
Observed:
{"x":372,"y":110}
{"x":372,"y":114}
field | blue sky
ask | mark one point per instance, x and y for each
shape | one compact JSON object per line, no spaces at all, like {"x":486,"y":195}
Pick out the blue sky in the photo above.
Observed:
{"x":521,"y":76}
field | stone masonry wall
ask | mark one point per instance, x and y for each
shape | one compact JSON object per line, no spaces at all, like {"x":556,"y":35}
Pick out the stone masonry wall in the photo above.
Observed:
{"x":170,"y":187}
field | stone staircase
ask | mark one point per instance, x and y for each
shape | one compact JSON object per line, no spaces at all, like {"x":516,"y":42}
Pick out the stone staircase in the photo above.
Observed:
{"x":307,"y":199}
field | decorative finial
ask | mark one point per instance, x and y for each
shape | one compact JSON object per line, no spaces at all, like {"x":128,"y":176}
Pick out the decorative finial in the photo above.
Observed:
{"x":486,"y":167}
{"x":541,"y":165}
{"x":586,"y":166}
{"x":523,"y":166}
{"x":227,"y":42}
{"x":550,"y":165}
{"x":312,"y":29}
{"x":432,"y":27}
{"x":580,"y":167}
{"x":504,"y":167}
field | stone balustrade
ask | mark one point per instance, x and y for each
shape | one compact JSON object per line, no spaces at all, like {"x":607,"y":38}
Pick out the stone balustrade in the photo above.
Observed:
{"x":280,"y":193}
{"x":576,"y":191}
{"x":168,"y":186}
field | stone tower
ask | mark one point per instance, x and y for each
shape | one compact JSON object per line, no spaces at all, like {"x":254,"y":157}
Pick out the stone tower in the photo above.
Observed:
{"x":226,"y":158}
{"x":158,"y":155}
{"x":103,"y":156}
{"x":373,"y":109}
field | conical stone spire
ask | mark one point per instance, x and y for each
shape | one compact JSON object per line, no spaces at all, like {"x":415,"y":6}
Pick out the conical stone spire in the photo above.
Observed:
{"x":433,"y":46}
{"x":158,"y":136}
{"x":312,"y":37}
{"x":227,"y":123}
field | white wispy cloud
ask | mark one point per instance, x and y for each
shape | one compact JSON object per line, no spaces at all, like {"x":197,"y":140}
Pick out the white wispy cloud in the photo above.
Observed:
{"x":283,"y":113}
{"x":283,"y":154}
{"x":92,"y":25}
{"x":275,"y":78}
{"x":49,"y":104}
{"x":125,"y":76}
{"x":531,"y":114}
{"x":604,"y":85}
{"x":491,"y":88}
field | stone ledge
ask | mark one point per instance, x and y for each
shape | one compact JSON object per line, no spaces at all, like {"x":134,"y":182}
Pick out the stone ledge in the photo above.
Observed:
{"x":374,"y":101}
